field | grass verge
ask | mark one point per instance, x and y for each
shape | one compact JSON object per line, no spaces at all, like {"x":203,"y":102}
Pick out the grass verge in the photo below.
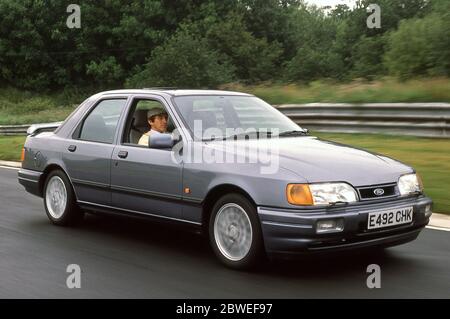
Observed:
{"x":23,"y":107}
{"x":385,"y":90}
{"x":11,"y":147}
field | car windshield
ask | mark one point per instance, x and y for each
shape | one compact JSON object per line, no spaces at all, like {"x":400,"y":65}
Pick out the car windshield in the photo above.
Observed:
{"x":211,"y":117}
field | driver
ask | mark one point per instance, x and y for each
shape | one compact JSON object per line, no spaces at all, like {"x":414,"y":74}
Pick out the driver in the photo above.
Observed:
{"x":157,"y":118}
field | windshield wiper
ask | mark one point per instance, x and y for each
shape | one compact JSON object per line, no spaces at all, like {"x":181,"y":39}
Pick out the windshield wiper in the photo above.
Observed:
{"x":293,"y":133}
{"x":209,"y":139}
{"x":257,"y":134}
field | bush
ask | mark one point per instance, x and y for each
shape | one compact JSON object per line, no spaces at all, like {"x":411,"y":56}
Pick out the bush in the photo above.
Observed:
{"x":105,"y":72}
{"x":420,"y":47}
{"x":368,"y":57}
{"x":255,"y":59}
{"x":306,"y":65}
{"x":33,"y":105}
{"x":183,"y":61}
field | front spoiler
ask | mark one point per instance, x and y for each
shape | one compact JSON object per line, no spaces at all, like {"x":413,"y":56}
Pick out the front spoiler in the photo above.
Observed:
{"x":293,"y":231}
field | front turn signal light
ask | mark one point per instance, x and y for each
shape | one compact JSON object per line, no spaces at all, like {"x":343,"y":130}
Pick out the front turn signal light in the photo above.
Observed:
{"x":299,"y":194}
{"x":22,"y":155}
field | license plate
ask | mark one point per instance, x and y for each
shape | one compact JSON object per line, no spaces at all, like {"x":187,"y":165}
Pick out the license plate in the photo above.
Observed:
{"x":391,"y":217}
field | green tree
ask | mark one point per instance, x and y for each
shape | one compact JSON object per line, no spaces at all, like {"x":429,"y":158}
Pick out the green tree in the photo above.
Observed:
{"x":106,"y":72}
{"x":357,"y":46}
{"x":368,"y":57}
{"x":254,"y":59}
{"x":183,"y":61}
{"x":244,"y":40}
{"x":313,"y":35}
{"x":307,"y":65}
{"x":420,"y":47}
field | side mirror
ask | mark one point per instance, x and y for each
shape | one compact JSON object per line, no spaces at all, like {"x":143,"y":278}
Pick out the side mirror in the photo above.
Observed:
{"x":160,"y":140}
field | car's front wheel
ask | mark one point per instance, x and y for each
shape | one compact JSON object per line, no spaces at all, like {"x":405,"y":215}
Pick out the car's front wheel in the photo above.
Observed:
{"x":59,"y":200}
{"x":235,"y":232}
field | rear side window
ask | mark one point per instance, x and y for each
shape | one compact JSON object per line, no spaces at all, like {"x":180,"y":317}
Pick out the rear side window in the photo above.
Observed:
{"x":101,"y":123}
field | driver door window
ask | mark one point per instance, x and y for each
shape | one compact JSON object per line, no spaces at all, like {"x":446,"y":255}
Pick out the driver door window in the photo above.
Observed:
{"x":137,"y":122}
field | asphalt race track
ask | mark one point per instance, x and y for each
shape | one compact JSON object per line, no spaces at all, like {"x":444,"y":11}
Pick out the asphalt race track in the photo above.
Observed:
{"x":129,"y":258}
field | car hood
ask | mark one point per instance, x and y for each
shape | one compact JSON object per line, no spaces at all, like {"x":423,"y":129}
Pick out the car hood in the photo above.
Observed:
{"x":317,"y":160}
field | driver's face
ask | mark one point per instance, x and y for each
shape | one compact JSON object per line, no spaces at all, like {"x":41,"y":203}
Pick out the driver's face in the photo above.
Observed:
{"x":159,"y":123}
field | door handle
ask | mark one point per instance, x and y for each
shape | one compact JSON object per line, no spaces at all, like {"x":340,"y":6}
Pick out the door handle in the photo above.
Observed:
{"x":72,"y":148}
{"x":123,"y":154}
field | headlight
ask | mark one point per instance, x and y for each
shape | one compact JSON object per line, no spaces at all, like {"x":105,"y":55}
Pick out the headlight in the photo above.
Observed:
{"x":409,"y":183}
{"x":320,"y":194}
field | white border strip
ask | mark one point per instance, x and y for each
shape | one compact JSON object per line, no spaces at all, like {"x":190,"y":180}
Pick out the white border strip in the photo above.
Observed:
{"x":438,"y":228}
{"x":9,"y":167}
{"x":10,"y":164}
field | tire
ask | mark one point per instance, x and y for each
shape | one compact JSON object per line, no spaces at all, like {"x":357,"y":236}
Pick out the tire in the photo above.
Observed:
{"x":59,"y":200}
{"x":234,"y":221}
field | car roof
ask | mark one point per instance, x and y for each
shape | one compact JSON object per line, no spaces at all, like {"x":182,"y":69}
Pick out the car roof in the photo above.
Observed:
{"x":173,"y":92}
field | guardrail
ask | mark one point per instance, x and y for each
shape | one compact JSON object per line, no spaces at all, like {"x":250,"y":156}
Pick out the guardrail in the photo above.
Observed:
{"x":416,"y":119}
{"x":25,"y":129}
{"x":14,"y":129}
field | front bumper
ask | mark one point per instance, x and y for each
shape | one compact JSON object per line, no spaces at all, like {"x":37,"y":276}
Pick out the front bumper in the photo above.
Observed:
{"x":293,"y":231}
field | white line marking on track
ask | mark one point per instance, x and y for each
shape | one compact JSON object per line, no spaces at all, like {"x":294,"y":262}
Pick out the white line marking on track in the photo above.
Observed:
{"x":438,"y":228}
{"x":9,"y":167}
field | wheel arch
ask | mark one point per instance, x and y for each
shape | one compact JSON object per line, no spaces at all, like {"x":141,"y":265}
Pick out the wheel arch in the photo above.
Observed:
{"x":214,"y":194}
{"x":48,"y":169}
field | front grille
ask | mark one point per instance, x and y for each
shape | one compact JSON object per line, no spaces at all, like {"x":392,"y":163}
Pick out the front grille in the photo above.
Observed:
{"x":377,"y":191}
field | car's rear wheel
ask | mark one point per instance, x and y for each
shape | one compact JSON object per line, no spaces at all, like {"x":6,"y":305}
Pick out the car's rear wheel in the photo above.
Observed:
{"x":59,"y":200}
{"x":235,"y":232}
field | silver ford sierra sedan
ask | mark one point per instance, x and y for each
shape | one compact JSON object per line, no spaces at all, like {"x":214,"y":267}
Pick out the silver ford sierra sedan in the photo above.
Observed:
{"x":226,"y":163}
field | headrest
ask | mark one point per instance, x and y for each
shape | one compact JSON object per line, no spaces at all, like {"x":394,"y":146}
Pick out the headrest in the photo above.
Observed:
{"x":140,"y":118}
